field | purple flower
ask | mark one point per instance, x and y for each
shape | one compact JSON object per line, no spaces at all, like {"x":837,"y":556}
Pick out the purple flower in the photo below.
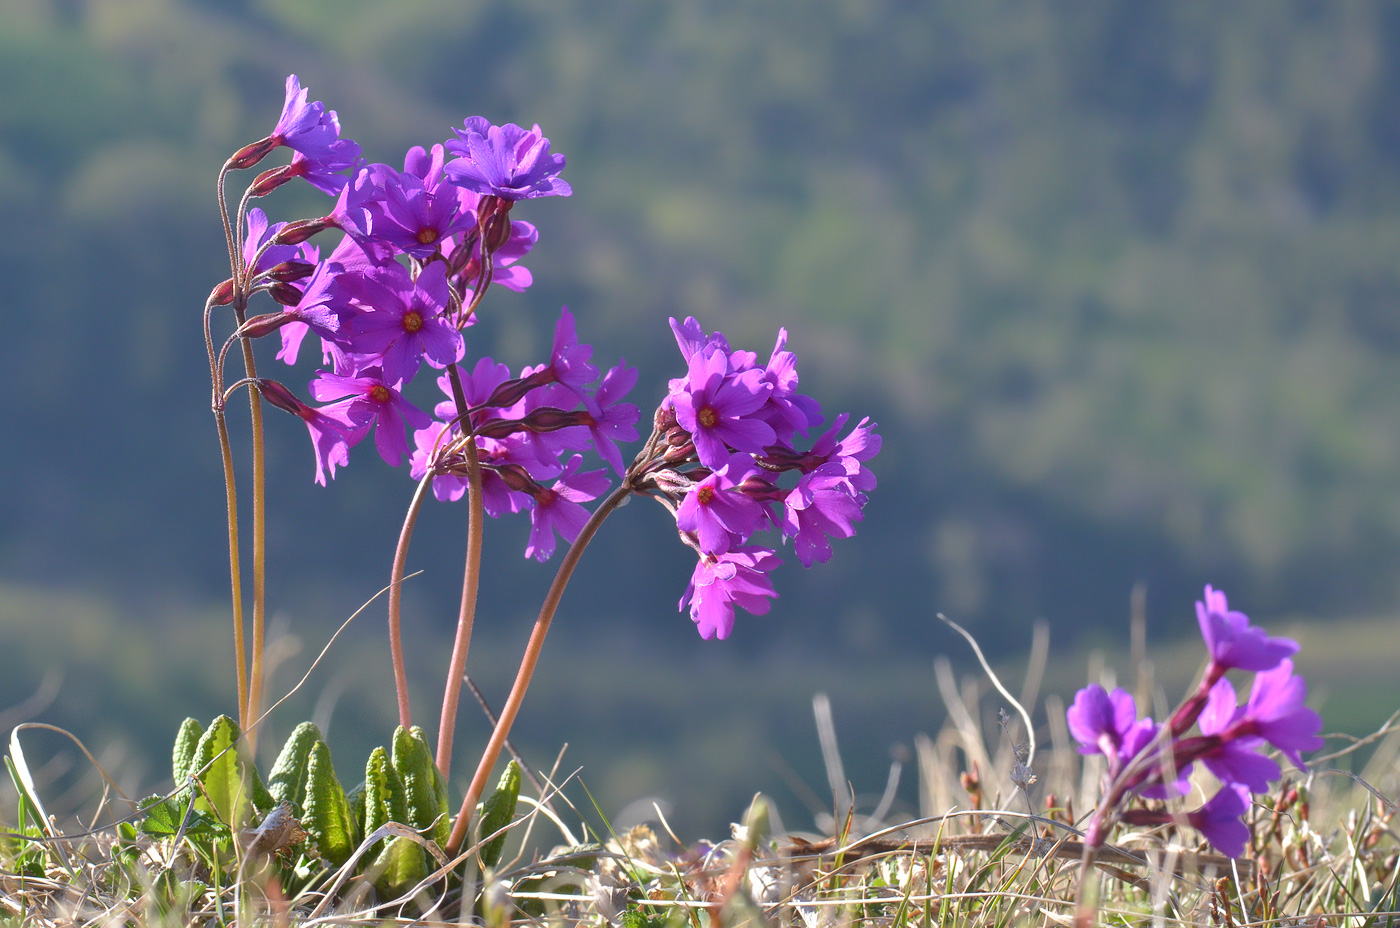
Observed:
{"x":714,"y":405}
{"x":260,"y":233}
{"x":613,"y":420}
{"x":691,"y":339}
{"x":558,"y":509}
{"x":405,"y":320}
{"x":370,"y":401}
{"x":821,"y":506}
{"x":1275,"y":712}
{"x":719,"y":583}
{"x":1237,"y":759}
{"x":787,"y":411}
{"x":331,"y":437}
{"x":304,"y":125}
{"x":718,"y":512}
{"x":429,"y":444}
{"x":1221,"y":820}
{"x":505,"y":161}
{"x":568,"y":360}
{"x":1233,"y":642}
{"x":416,"y":213}
{"x":1100,"y":721}
{"x":313,"y":132}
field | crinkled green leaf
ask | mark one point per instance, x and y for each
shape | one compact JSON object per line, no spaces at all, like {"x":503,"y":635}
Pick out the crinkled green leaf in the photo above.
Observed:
{"x":384,"y":797}
{"x":232,"y":787}
{"x":425,"y":791}
{"x":399,"y":867}
{"x":497,"y":812}
{"x":186,"y":743}
{"x":288,"y":780}
{"x":326,"y":812}
{"x":355,"y":798}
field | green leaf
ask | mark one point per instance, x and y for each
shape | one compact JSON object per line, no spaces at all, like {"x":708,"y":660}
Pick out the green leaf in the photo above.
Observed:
{"x":400,"y":866}
{"x":288,"y":780}
{"x":384,"y":797}
{"x":497,"y":812}
{"x":232,"y":787}
{"x":425,"y":791}
{"x":327,"y":812}
{"x":355,"y":798}
{"x":186,"y":742}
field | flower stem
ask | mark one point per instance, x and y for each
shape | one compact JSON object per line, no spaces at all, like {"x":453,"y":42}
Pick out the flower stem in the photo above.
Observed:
{"x":528,"y":662}
{"x":255,"y":670}
{"x":235,"y":570}
{"x":471,"y":579}
{"x":466,"y":616}
{"x":395,"y":598}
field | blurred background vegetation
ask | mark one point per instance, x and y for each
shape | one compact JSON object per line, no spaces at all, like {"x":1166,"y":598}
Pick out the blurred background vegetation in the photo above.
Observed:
{"x":1119,"y":283}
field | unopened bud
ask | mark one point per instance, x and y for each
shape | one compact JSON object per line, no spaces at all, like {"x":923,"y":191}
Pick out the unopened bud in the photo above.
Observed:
{"x":517,"y":479}
{"x":510,"y":392}
{"x":499,"y":428}
{"x":266,"y":324}
{"x":249,"y":155}
{"x":222,"y":295}
{"x":279,"y":396}
{"x":270,"y":180}
{"x":294,"y":233}
{"x":497,"y":233}
{"x":289,"y":271}
{"x":490,"y":205}
{"x":286,"y":294}
{"x":552,"y":418}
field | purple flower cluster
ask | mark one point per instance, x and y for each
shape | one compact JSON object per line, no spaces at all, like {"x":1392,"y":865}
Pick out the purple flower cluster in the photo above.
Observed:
{"x":1153,"y":761}
{"x":418,"y":249}
{"x":724,"y":437}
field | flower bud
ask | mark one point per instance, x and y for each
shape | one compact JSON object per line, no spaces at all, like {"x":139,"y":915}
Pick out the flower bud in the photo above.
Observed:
{"x":499,"y":428}
{"x":551,"y":419}
{"x":249,"y":155}
{"x":222,"y":295}
{"x":294,"y":233}
{"x":270,"y":180}
{"x":279,"y":396}
{"x":510,"y":392}
{"x":285,"y":294}
{"x":289,"y":271}
{"x":497,"y":233}
{"x":517,"y":479}
{"x":266,"y":324}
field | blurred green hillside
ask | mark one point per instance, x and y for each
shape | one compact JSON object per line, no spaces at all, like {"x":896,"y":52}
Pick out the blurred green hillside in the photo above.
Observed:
{"x":1118,"y":283}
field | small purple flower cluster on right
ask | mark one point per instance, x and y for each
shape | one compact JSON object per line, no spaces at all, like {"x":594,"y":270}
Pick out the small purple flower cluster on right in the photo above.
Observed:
{"x":1151,"y":761}
{"x":722,"y":439}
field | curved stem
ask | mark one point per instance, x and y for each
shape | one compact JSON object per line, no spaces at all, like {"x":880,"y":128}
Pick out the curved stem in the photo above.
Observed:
{"x":395,"y":595}
{"x":527,"y":664}
{"x":466,"y":616}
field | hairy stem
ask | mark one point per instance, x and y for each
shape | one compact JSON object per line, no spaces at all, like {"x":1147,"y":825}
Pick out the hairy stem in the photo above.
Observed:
{"x":527,"y":665}
{"x":395,"y":598}
{"x":471,"y":579}
{"x":466,"y":616}
{"x":255,"y":669}
{"x":235,"y":570}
